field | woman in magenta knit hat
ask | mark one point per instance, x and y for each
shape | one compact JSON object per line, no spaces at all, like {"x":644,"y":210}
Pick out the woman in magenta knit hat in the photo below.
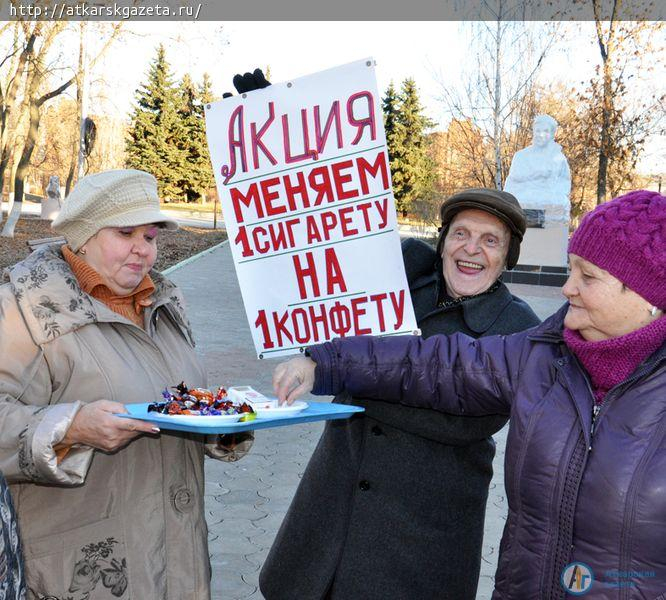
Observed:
{"x":585,"y":469}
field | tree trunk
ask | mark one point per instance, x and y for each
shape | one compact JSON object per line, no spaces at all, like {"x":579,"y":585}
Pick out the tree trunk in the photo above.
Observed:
{"x":70,"y":179}
{"x":497,"y":108}
{"x":4,"y":161}
{"x":80,"y":90}
{"x":9,"y":102}
{"x":606,"y":109}
{"x":22,"y":171}
{"x":11,"y":176}
{"x":606,"y":50}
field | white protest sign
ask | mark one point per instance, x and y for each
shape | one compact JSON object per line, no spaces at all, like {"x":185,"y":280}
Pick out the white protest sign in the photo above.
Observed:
{"x":303,"y":176}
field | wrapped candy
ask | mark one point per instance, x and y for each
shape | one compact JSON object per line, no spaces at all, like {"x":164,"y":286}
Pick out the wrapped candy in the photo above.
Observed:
{"x":199,"y":401}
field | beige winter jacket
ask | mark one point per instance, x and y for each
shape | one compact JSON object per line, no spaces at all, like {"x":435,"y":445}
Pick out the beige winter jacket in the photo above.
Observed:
{"x":98,"y":526}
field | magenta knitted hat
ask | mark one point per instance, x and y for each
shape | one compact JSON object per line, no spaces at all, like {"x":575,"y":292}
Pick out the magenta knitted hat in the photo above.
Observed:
{"x":627,"y":238}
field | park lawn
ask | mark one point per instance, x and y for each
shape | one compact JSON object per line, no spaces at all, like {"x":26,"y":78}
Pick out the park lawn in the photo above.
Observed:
{"x":173,"y":246}
{"x":207,"y":207}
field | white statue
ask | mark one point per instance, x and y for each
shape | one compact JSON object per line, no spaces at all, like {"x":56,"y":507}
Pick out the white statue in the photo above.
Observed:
{"x":51,"y":204}
{"x":539,"y":176}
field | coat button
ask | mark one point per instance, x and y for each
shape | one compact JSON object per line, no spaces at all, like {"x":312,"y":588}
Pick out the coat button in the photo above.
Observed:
{"x":182,"y":500}
{"x":376,"y":430}
{"x":364,"y":485}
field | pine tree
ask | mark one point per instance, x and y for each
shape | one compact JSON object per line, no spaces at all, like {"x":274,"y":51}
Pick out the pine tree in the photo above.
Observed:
{"x":155,"y":128}
{"x":206,"y":90}
{"x":412,"y":170}
{"x":395,"y":138}
{"x":195,"y":173}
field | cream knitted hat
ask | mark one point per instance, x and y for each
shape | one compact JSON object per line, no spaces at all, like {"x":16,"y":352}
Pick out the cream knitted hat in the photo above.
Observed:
{"x":122,"y":198}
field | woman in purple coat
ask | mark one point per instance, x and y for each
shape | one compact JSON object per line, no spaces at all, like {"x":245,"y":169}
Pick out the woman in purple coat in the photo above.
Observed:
{"x":585,"y":469}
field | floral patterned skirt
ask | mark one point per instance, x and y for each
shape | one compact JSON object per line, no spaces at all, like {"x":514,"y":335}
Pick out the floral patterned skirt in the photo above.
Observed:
{"x":12,"y":579}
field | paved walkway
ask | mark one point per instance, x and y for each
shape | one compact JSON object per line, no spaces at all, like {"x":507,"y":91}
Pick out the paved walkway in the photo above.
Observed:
{"x":246,"y":501}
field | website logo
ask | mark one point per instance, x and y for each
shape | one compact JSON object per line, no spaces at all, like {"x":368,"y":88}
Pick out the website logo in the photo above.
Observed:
{"x":577,"y":578}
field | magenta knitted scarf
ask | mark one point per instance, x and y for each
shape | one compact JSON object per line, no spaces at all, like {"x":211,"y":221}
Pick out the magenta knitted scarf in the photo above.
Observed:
{"x":610,"y":362}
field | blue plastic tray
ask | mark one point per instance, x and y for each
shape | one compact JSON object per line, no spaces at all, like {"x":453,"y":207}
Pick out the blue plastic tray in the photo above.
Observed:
{"x":316,"y":411}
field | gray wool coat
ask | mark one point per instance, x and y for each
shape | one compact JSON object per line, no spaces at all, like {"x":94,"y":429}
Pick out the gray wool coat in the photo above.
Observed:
{"x":392,"y":503}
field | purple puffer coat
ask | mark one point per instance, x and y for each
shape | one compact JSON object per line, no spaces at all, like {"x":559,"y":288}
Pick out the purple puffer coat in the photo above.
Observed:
{"x":577,"y":491}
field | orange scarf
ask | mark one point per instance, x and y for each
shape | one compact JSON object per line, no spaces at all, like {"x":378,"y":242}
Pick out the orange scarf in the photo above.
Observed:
{"x":129,"y":306}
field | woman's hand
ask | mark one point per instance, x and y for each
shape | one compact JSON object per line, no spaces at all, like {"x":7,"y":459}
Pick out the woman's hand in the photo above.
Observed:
{"x":95,"y":425}
{"x":293,"y":378}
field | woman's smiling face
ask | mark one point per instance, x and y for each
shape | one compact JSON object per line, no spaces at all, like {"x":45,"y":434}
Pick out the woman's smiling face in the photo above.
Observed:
{"x":600,"y":307}
{"x":474,"y":252}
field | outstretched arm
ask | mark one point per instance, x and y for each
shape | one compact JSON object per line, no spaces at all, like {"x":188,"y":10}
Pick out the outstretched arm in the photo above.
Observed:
{"x":455,"y":374}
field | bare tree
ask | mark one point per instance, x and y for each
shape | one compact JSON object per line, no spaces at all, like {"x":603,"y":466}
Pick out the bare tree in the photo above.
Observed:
{"x":16,"y":58}
{"x":80,"y":83}
{"x":38,"y":74}
{"x":624,"y":47}
{"x":497,"y":89}
{"x":58,"y":135}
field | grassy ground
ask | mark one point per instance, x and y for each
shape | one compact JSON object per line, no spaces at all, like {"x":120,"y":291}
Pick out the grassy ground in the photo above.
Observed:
{"x":173,"y":246}
{"x":207,"y":207}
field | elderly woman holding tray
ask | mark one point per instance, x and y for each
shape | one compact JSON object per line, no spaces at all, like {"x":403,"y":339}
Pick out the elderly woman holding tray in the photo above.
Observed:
{"x":107,"y":507}
{"x":585,"y":467}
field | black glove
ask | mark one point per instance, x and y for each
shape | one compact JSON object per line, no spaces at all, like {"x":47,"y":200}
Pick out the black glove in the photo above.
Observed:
{"x":249,"y":82}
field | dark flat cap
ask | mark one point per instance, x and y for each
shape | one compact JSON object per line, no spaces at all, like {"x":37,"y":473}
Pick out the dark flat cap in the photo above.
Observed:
{"x":495,"y":202}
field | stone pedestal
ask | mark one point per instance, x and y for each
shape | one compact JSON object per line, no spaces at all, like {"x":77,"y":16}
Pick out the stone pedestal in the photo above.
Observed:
{"x":50,"y":208}
{"x":545,"y":246}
